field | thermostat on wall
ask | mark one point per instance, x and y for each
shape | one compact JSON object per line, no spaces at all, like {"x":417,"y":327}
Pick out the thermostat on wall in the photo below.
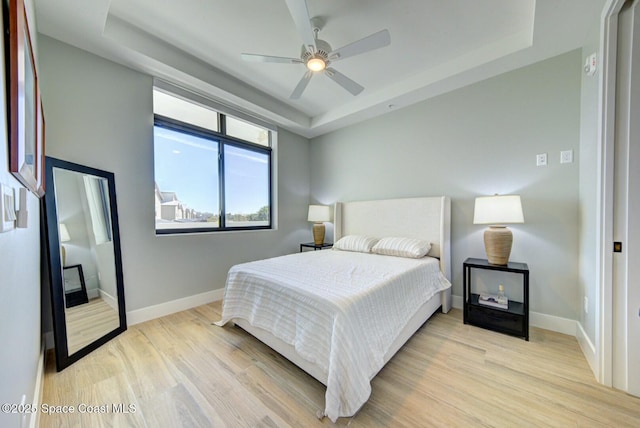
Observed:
{"x":590,"y":65}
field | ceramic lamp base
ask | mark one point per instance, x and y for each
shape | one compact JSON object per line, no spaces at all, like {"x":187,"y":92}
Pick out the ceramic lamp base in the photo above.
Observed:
{"x":318,"y":233}
{"x":497,"y":243}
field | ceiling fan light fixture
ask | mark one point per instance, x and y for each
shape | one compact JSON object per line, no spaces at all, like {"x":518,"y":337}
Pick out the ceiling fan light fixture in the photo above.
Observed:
{"x":317,"y":55}
{"x":316,"y":64}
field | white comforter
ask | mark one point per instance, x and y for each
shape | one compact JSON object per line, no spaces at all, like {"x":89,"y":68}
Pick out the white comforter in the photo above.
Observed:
{"x":340,"y":310}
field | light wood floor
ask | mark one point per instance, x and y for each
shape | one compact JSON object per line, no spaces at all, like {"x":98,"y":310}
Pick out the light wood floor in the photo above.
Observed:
{"x":88,"y":322}
{"x":182,"y":371}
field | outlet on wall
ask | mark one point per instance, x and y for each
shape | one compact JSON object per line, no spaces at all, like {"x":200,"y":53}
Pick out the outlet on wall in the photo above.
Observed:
{"x":586,"y":305}
{"x":541,"y":159}
{"x":566,"y":156}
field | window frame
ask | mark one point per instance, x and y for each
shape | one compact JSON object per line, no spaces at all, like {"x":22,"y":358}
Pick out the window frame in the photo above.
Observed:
{"x":222,"y":140}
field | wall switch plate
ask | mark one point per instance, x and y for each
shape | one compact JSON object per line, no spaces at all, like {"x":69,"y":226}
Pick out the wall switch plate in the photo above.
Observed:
{"x":7,"y":208}
{"x":566,"y":156}
{"x":541,"y":159}
{"x":586,"y":305}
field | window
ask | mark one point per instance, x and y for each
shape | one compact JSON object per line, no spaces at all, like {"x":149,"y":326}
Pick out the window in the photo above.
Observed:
{"x":212,"y":170}
{"x":247,"y":131}
{"x":97,"y":192}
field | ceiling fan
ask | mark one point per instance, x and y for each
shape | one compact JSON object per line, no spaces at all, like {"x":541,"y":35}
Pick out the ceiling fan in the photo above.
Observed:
{"x":317,"y":54}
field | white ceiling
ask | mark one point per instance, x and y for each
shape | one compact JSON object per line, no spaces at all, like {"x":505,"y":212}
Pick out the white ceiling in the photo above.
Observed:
{"x":436,"y":46}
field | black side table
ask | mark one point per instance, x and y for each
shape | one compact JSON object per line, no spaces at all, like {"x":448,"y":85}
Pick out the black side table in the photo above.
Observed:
{"x":515,"y":319}
{"x":314,"y":246}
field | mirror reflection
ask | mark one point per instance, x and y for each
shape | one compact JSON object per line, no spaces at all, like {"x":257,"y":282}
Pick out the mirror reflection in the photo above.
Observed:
{"x":87,"y":255}
{"x":84,"y":259}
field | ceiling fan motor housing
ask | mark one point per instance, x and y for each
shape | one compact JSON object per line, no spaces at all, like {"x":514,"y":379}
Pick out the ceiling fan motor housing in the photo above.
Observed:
{"x":323,"y":49}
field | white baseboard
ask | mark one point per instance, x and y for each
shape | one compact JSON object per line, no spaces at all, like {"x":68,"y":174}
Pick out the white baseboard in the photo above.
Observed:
{"x":34,"y":420}
{"x":588,"y":349}
{"x":156,"y":311}
{"x":456,"y":302}
{"x":109,"y":299}
{"x":553,"y":323}
{"x":536,"y":319}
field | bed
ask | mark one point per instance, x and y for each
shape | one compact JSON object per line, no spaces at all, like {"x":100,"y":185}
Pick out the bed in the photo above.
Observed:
{"x":341,"y":315}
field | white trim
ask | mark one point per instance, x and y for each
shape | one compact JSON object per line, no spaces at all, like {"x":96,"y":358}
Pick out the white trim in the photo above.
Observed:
{"x":536,"y":319}
{"x":456,"y":302}
{"x":553,"y":323}
{"x":138,"y":316}
{"x":604,"y":193}
{"x":108,"y":299}
{"x":588,"y":348}
{"x":34,"y":420}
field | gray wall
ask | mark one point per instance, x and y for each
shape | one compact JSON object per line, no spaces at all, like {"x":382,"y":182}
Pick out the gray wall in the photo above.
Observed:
{"x":20,"y":291}
{"x":100,"y":114}
{"x":478,"y":140}
{"x":588,"y":186}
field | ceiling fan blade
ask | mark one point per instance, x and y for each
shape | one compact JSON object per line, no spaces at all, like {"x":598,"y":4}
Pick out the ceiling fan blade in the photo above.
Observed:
{"x":369,"y":43}
{"x":344,"y":81}
{"x":268,"y":58}
{"x":302,"y":84}
{"x":300,"y":14}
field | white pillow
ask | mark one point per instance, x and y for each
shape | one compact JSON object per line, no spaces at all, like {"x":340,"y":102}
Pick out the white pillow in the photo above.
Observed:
{"x":362,"y":244}
{"x":402,"y":247}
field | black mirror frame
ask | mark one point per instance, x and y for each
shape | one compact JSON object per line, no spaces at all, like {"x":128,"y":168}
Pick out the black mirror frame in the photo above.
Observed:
{"x":54,"y":264}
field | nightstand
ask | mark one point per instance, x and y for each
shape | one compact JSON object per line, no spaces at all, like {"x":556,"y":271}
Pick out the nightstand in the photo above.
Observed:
{"x":314,"y":246}
{"x":515,"y":319}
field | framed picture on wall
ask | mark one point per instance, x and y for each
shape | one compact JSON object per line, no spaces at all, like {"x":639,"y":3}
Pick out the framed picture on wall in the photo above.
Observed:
{"x":40,"y":128}
{"x":25,"y":117}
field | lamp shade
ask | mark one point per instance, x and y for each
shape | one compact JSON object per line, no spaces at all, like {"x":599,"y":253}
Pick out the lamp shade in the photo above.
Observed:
{"x":498,"y":209}
{"x":64,"y":233}
{"x":319,"y":213}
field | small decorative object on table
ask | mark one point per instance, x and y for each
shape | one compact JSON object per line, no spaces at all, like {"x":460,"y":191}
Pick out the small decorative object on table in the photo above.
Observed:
{"x":497,"y":301}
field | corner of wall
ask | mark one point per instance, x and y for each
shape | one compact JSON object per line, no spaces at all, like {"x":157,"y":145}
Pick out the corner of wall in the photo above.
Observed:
{"x":588,"y":349}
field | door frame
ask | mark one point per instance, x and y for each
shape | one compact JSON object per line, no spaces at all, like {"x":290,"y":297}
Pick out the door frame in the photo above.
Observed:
{"x":604,"y":192}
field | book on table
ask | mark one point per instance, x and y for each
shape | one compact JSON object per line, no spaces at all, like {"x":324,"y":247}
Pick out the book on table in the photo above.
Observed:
{"x":494,"y":301}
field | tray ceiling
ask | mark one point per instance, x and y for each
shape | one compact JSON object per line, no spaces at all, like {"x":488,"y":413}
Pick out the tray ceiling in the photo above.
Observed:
{"x":436,"y":46}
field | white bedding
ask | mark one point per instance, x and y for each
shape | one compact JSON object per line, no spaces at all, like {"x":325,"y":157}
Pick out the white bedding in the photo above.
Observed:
{"x":339,"y":310}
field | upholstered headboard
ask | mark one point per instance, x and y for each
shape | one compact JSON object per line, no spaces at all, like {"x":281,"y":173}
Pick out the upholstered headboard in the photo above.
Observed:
{"x":422,"y":218}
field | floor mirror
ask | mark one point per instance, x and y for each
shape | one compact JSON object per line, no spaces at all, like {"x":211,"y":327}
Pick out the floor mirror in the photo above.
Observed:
{"x":84,"y":258}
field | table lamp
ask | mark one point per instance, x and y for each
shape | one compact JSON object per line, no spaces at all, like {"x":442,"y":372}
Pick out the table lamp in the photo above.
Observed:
{"x":319,"y":214}
{"x":497,"y":211}
{"x":64,"y":237}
